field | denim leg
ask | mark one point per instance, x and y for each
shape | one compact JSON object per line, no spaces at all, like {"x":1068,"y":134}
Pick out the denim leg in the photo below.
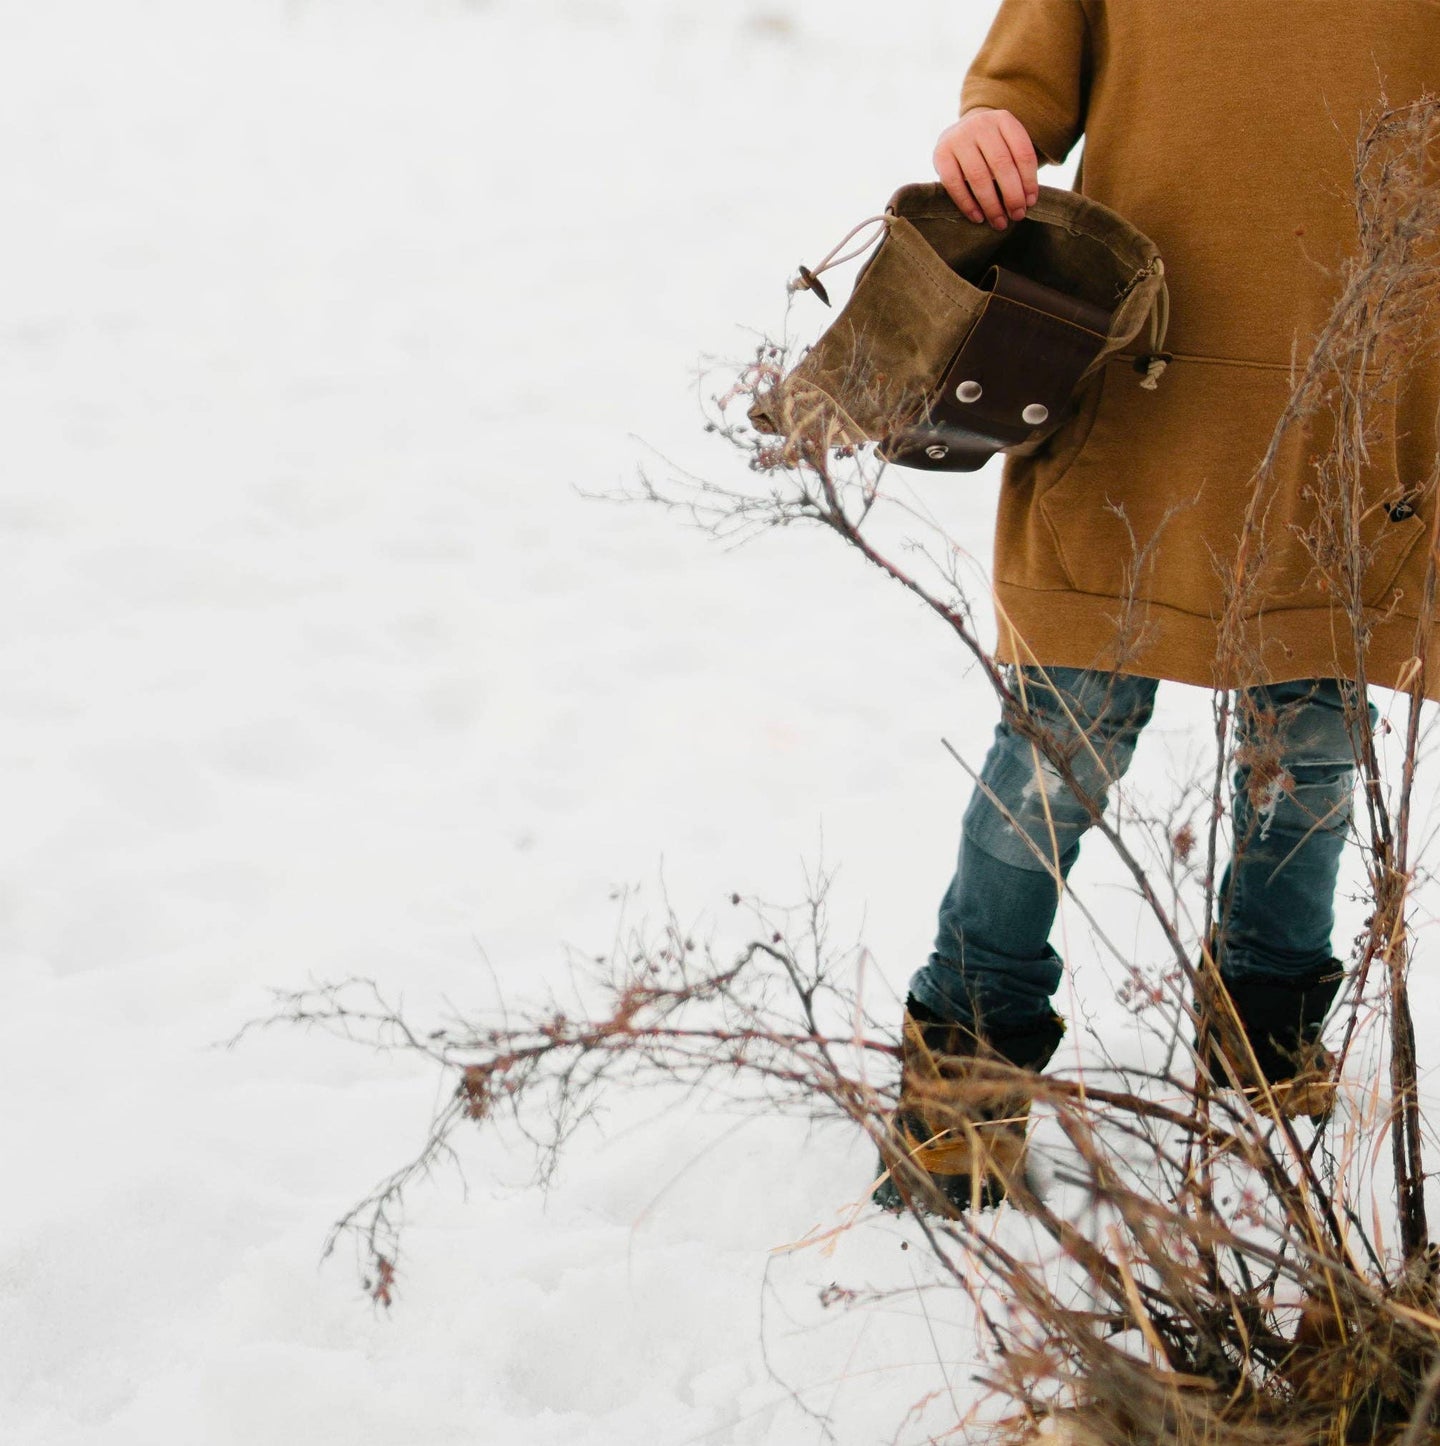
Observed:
{"x":1294,"y":796}
{"x":993,"y":962}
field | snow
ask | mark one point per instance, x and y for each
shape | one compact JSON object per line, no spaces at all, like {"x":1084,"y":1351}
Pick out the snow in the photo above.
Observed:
{"x":322,"y":320}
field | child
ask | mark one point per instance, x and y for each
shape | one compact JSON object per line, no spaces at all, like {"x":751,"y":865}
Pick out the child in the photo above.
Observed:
{"x":1235,"y":157}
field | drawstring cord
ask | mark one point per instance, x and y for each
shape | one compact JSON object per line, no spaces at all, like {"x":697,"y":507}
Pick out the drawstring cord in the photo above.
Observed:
{"x":1155,"y":361}
{"x":809,"y":280}
{"x":1158,"y":359}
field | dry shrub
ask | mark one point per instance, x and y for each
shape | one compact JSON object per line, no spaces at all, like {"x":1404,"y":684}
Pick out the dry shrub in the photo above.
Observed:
{"x":1202,"y":1269}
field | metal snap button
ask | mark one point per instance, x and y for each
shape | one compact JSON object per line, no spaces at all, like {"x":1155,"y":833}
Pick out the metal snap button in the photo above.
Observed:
{"x":937,"y":451}
{"x":969,"y":392}
{"x":1035,"y":413}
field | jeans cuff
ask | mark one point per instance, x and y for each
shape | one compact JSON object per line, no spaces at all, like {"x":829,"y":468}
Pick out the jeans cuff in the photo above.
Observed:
{"x":990,"y":992}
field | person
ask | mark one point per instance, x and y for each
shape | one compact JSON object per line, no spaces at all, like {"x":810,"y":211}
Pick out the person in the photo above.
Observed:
{"x":1112,"y":540}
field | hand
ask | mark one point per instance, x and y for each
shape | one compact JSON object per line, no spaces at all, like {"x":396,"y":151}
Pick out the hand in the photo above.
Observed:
{"x":988,"y":166}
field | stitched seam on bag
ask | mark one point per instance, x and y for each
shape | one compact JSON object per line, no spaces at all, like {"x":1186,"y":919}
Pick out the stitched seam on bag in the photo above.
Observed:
{"x":932,"y":269}
{"x":1057,"y":213}
{"x":1051,"y":317}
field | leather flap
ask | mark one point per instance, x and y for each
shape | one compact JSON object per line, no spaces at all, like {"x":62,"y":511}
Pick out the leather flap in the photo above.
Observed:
{"x":1017,"y":369}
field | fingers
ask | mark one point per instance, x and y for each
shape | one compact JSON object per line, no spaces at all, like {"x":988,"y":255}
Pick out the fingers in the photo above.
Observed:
{"x":980,"y":175}
{"x":1022,"y":152}
{"x":948,"y":169}
{"x":988,"y":166}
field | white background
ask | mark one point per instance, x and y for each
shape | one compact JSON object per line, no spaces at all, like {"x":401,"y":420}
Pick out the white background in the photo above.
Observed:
{"x":317,"y":321}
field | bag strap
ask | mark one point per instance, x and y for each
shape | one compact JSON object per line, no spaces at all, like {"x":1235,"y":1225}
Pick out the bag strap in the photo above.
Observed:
{"x":1016,"y":369}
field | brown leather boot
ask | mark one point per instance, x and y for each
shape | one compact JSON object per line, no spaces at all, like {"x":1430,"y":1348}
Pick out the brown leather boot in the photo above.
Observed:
{"x":962,"y":1114}
{"x":1282,"y":1024}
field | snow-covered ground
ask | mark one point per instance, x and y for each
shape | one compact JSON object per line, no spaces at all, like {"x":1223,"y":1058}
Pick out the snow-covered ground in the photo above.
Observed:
{"x":319,"y":320}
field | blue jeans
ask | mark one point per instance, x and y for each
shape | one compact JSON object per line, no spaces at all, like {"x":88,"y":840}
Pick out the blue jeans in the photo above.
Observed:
{"x":1294,"y":785}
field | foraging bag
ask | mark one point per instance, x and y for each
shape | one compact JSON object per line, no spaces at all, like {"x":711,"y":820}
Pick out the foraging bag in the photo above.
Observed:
{"x":959,"y":341}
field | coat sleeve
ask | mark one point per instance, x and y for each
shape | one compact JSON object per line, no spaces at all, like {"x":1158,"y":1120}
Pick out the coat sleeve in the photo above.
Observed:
{"x":1036,"y":63}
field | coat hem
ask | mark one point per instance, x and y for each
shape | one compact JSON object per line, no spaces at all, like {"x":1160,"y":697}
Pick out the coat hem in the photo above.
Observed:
{"x":1066,"y":629}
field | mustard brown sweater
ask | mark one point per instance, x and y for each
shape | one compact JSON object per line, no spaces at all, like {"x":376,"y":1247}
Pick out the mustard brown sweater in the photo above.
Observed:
{"x":1225,"y":130}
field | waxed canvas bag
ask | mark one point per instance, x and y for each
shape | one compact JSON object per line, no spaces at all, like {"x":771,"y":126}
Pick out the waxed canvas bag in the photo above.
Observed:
{"x":959,"y":341}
